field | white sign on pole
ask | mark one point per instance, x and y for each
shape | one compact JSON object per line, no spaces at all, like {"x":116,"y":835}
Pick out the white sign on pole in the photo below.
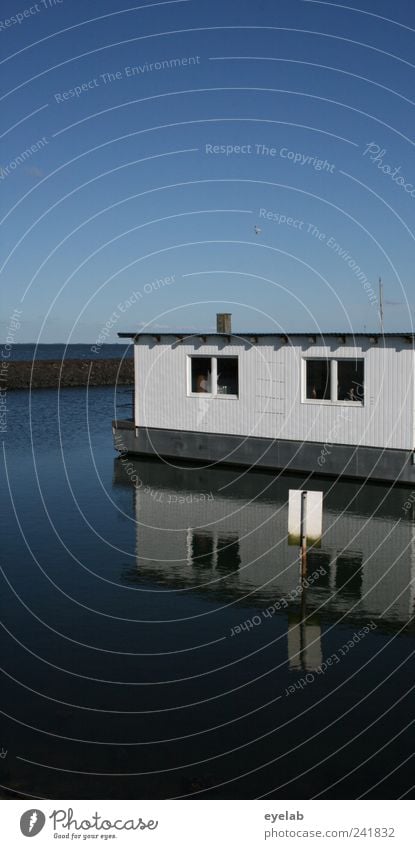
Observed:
{"x":313,"y":518}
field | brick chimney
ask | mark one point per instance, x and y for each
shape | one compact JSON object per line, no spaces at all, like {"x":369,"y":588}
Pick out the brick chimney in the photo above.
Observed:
{"x":224,"y":322}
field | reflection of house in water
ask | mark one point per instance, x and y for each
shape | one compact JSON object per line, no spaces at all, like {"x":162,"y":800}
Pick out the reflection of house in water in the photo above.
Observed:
{"x":224,"y":534}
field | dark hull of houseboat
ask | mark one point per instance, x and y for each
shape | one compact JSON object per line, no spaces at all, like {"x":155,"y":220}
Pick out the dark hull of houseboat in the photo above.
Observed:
{"x":350,"y":461}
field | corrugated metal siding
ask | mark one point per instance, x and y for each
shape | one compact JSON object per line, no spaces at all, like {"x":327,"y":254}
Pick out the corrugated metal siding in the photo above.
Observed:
{"x":269,"y":403}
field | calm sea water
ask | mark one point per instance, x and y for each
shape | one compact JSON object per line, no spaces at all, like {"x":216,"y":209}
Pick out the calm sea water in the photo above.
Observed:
{"x":69,"y":352}
{"x":156,"y":642}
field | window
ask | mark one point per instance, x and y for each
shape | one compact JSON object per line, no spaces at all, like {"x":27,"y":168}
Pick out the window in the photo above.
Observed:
{"x":201,"y":374}
{"x":334,"y":380}
{"x":318,"y":379}
{"x":227,"y":375}
{"x":350,"y":380}
{"x":214,"y":376}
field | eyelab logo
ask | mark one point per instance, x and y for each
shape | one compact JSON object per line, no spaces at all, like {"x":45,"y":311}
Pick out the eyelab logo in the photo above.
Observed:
{"x":32,"y":822}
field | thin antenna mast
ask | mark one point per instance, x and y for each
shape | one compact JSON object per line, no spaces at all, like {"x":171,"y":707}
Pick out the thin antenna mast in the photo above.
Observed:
{"x":381,"y":304}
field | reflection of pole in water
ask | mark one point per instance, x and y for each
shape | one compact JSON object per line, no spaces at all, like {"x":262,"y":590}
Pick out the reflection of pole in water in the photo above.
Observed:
{"x":304,"y":638}
{"x":302,"y":623}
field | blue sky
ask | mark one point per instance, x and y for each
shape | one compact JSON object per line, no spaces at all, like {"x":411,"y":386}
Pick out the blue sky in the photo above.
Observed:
{"x":193,"y":123}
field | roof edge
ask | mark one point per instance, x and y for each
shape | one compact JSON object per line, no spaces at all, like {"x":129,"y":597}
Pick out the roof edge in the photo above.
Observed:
{"x":183,"y":334}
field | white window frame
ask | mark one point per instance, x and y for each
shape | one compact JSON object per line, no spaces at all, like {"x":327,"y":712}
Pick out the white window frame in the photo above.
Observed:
{"x":213,"y":376}
{"x":333,"y":400}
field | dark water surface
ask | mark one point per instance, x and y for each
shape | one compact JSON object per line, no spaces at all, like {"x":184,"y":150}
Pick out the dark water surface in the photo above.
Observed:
{"x":155,"y":641}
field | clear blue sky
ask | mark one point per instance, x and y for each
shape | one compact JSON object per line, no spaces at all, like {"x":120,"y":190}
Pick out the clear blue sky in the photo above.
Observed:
{"x":121,"y":186}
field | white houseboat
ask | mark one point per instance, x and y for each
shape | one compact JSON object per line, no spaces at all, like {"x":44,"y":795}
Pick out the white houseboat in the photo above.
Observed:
{"x":332,"y":403}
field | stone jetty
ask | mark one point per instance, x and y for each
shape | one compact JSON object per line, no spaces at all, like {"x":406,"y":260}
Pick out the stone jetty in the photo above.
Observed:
{"x":52,"y":374}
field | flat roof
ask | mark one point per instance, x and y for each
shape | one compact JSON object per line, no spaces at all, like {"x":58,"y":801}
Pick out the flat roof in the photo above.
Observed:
{"x":201,"y":334}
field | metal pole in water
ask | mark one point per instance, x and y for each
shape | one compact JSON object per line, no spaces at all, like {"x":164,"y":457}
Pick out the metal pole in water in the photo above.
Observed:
{"x":303,"y":534}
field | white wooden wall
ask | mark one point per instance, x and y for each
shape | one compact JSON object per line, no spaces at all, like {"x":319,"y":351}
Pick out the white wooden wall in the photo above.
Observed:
{"x":270,"y":402}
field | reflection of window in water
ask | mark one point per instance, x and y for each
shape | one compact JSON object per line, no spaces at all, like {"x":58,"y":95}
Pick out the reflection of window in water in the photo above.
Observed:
{"x":319,"y":560}
{"x":343,"y":574}
{"x":202,"y":548}
{"x":228,"y":556}
{"x":205,"y":548}
{"x":349,"y":574}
